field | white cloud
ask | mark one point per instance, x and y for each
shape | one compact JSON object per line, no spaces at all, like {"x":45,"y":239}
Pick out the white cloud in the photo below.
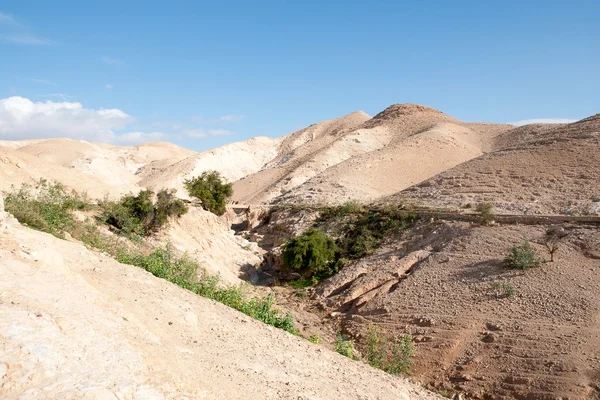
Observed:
{"x":60,"y":96}
{"x":133,"y":138}
{"x":27,"y":39}
{"x":44,"y":82}
{"x":232,"y":118}
{"x":544,"y":121}
{"x":6,"y":19}
{"x":111,"y":60}
{"x":108,"y":86}
{"x":20,"y":118}
{"x":15,"y":32}
{"x":202,"y":133}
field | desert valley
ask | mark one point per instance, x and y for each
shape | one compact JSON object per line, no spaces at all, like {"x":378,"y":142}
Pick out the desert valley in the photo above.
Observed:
{"x":441,"y":258}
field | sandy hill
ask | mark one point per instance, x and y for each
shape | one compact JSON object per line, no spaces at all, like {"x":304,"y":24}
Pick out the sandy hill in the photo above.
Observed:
{"x":233,"y":161}
{"x":20,"y":167}
{"x":77,"y":324}
{"x":536,"y":169}
{"x":361,"y":158}
{"x":97,"y":168}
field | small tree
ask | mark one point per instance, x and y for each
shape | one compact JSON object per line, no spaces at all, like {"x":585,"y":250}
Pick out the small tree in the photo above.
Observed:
{"x":311,"y":254}
{"x":211,"y":190}
{"x":552,"y":240}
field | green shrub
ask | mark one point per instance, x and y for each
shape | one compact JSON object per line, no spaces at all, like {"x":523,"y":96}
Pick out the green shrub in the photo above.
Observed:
{"x":392,"y":357}
{"x":211,"y":190}
{"x":503,"y":289}
{"x":303,"y":283}
{"x":522,"y":257}
{"x":139,"y":215}
{"x":486,"y":211}
{"x":45,"y":206}
{"x":350,"y":207}
{"x":316,"y":339}
{"x":312,"y":254}
{"x":345,"y":347}
{"x":368,"y":231}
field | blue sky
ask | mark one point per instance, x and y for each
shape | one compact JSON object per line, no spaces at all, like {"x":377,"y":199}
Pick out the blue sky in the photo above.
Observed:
{"x":202,"y":74}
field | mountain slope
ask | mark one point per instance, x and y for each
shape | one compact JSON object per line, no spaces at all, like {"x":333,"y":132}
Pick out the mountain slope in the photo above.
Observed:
{"x":400,"y":146}
{"x":540,"y":170}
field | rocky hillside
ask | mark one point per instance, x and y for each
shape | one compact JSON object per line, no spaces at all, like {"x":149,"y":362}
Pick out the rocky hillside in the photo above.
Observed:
{"x":534,"y":170}
{"x":361,"y":158}
{"x":77,"y":324}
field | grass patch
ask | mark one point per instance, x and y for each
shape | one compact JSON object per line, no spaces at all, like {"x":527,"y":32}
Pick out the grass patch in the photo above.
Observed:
{"x":316,"y":339}
{"x":345,"y":347}
{"x":394,"y":357}
{"x":45,"y":206}
{"x":502,"y":289}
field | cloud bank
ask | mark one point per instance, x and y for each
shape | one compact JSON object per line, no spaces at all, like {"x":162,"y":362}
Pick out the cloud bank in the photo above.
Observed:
{"x":21,"y":118}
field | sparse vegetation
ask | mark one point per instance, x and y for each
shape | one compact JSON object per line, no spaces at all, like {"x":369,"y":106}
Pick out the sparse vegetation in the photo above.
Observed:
{"x":316,"y":339}
{"x":349,"y":207}
{"x":394,"y":357}
{"x":345,"y":347}
{"x":140,"y":215}
{"x":45,"y":206}
{"x":211,"y":190}
{"x":303,"y":283}
{"x":486,"y":211}
{"x":522,"y":257}
{"x":502,"y":289}
{"x":311,"y":254}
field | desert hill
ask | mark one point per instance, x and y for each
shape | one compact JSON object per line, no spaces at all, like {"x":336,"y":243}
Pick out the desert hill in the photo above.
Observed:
{"x":77,"y":324}
{"x":234,"y":161}
{"x":96,"y":168}
{"x":368,"y":157}
{"x":536,"y":169}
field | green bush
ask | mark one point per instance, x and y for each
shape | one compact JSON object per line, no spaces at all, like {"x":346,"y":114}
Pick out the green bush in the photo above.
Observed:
{"x":368,"y":231}
{"x":502,"y":289}
{"x":345,"y":347}
{"x":45,"y":206}
{"x":486,"y":211}
{"x":392,"y":357}
{"x":211,"y":190}
{"x":522,"y":257}
{"x":312,"y":254}
{"x":140,"y":215}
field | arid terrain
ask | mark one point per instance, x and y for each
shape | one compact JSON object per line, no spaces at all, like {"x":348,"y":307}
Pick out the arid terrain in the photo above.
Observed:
{"x":76,"y":323}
